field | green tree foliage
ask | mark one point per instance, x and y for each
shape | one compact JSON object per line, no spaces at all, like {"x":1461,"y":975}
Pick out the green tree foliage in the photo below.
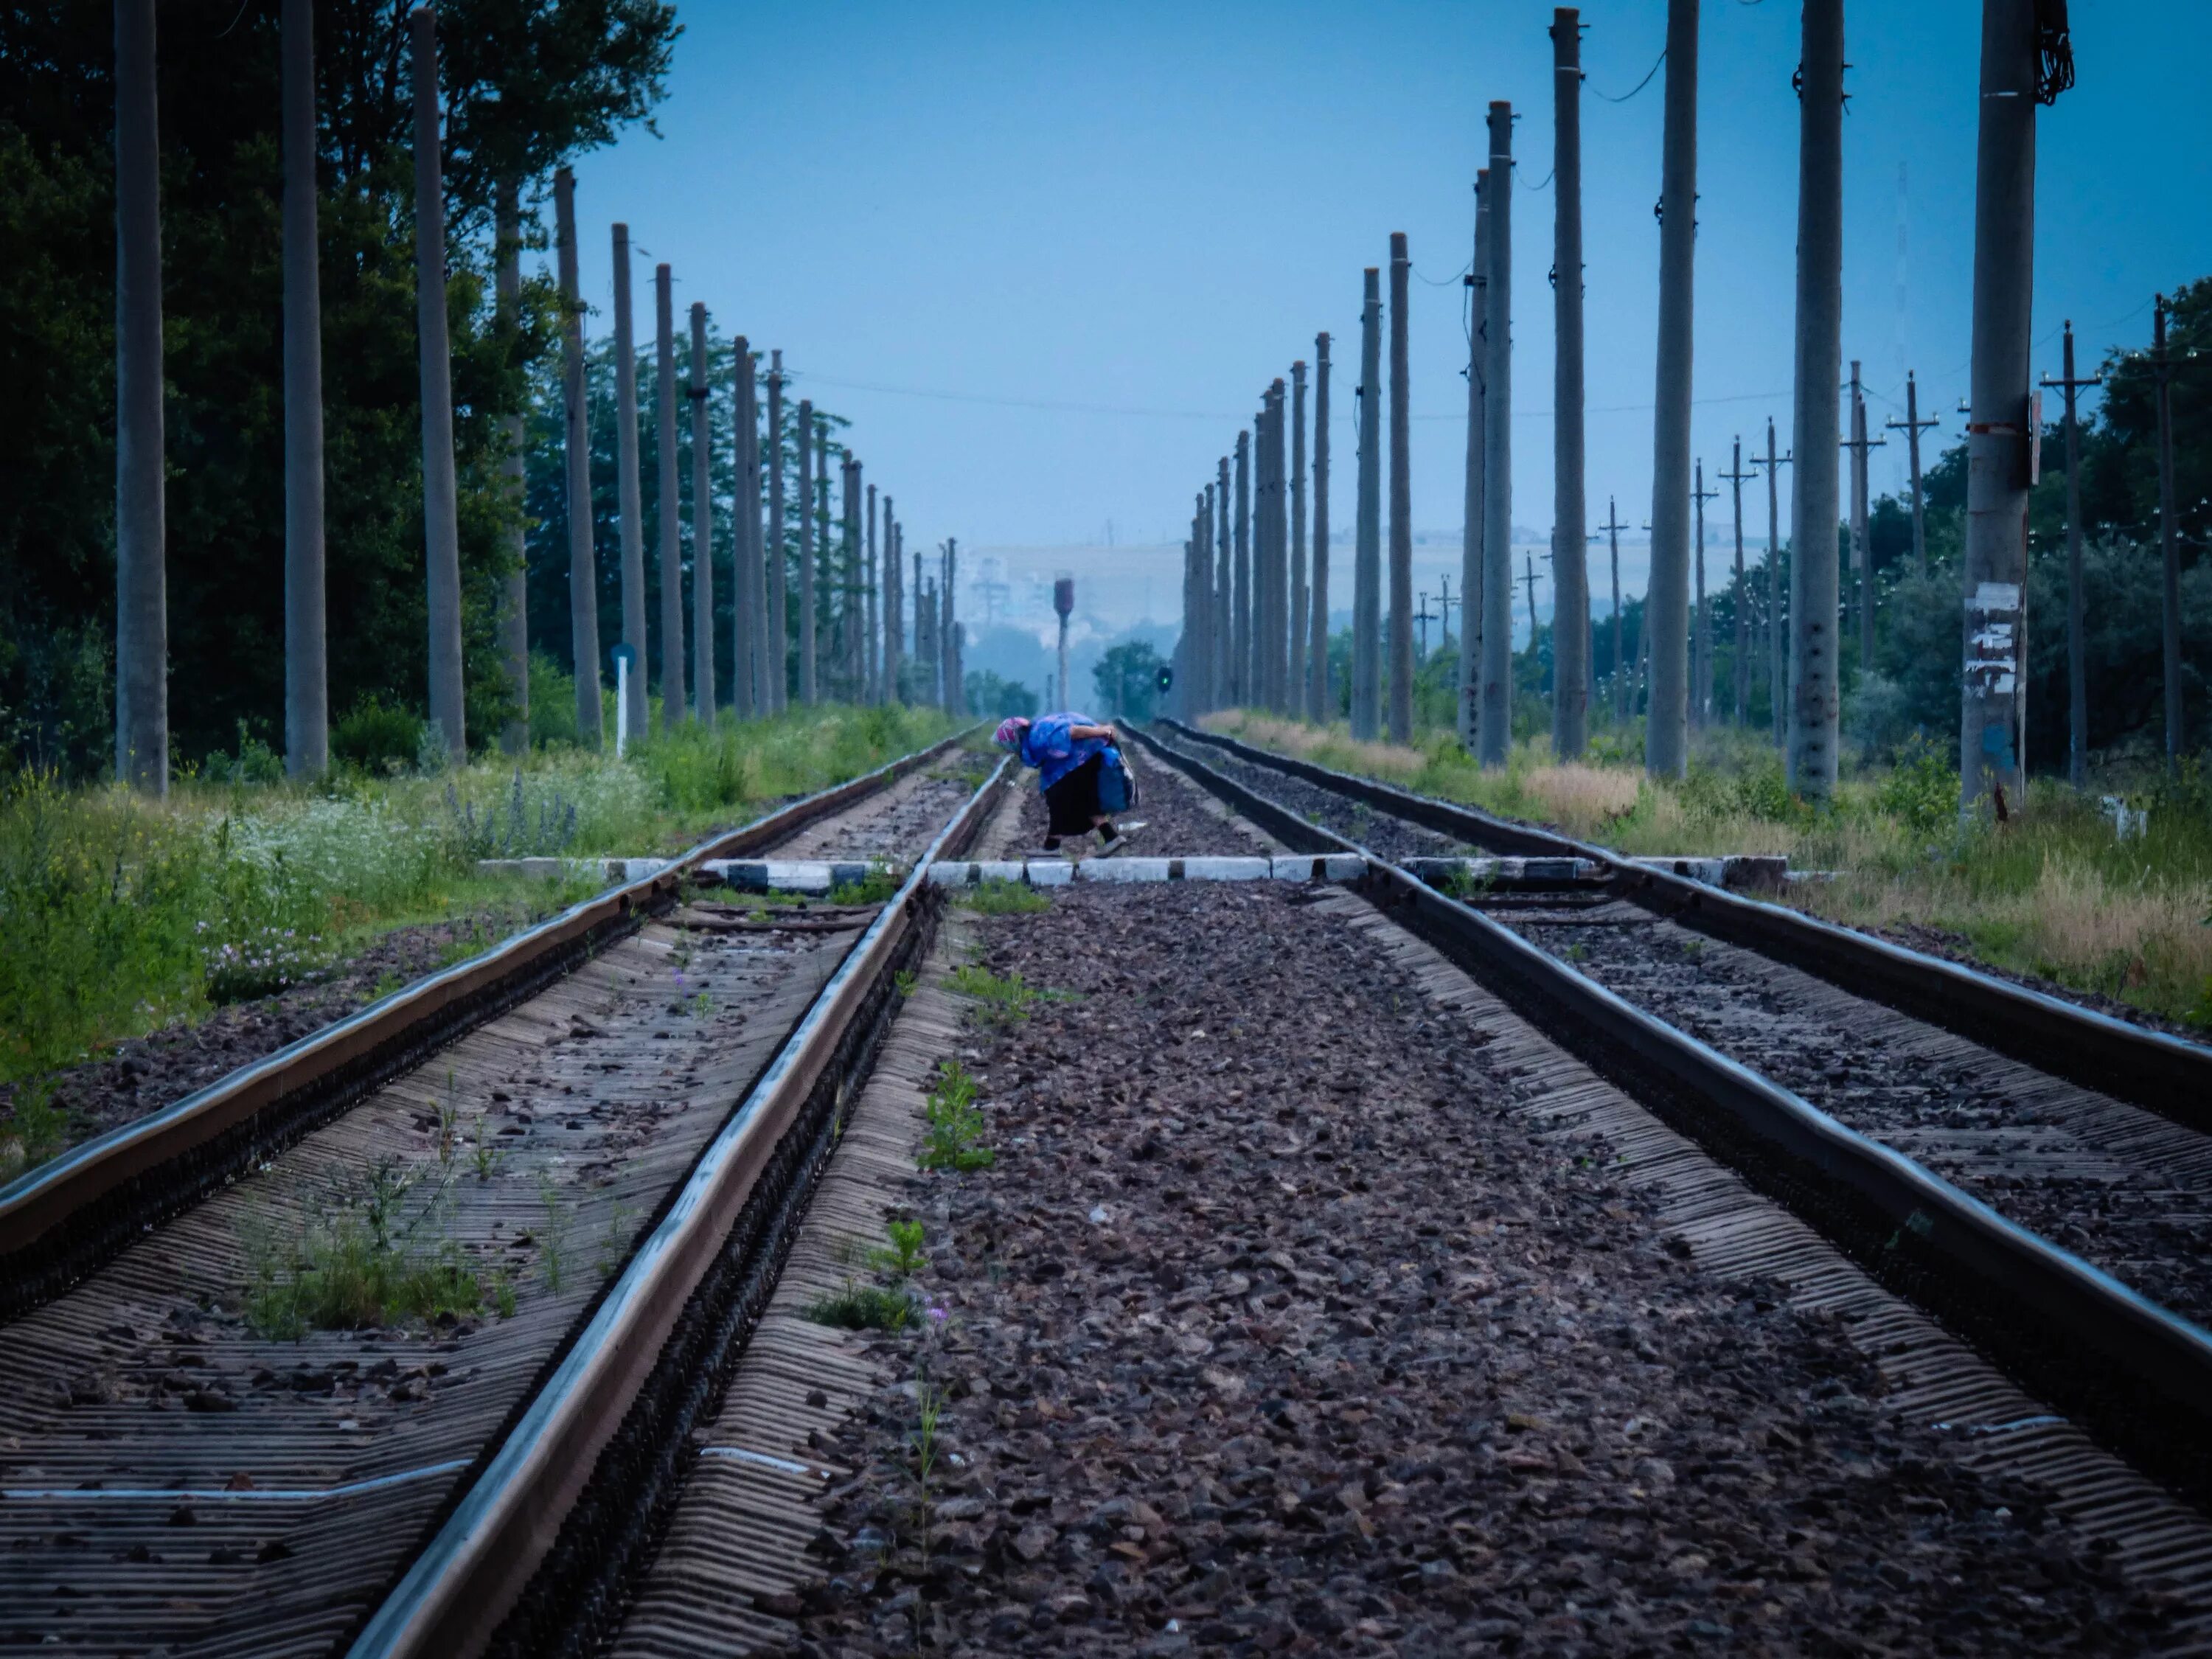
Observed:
{"x":1127,"y":679}
{"x":527,"y":83}
{"x":991,"y":697}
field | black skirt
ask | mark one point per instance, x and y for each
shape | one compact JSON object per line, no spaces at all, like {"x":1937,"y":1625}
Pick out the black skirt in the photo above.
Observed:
{"x":1071,"y":804}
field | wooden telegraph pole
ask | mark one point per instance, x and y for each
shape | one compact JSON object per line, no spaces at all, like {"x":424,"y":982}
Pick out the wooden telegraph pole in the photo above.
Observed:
{"x":1862,"y":550}
{"x":1912,"y":426}
{"x":441,"y":528}
{"x":2077,"y":663}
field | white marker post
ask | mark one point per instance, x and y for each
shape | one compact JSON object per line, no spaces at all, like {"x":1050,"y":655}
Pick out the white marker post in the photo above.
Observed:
{"x":624,"y":656}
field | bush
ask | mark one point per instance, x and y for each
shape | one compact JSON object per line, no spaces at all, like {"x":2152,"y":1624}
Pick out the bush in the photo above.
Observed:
{"x":1921,"y":790}
{"x":255,"y":763}
{"x":376,"y":737}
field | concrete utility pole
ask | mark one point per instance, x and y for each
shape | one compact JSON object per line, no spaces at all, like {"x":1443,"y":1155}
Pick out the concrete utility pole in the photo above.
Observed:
{"x":514,"y":586}
{"x":1246,"y":696}
{"x":703,"y":536}
{"x":1471,"y":566}
{"x":1612,"y":529}
{"x":825,"y":580}
{"x":1666,"y":737}
{"x":2077,"y":662}
{"x":1294,"y":694}
{"x":2169,"y":534}
{"x":1401,"y":503}
{"x":442,"y":529}
{"x":1279,"y":550}
{"x":1256,"y":692}
{"x":1814,"y":645}
{"x":1570,"y":573}
{"x":1862,"y":548}
{"x":1912,"y":426}
{"x":1225,"y":598}
{"x":1494,"y":731}
{"x":846,"y":587}
{"x":872,"y":666}
{"x":1701,"y":653}
{"x":749,"y":593}
{"x":924,"y":672}
{"x":1317,"y":698}
{"x":576,"y":443}
{"x":1529,"y":559}
{"x":1367,"y":548}
{"x":1422,"y":617}
{"x":629,"y":493}
{"x":1777,"y":699}
{"x":306,"y":676}
{"x":779,"y":621}
{"x":1992,"y":703}
{"x":948,"y":629}
{"x":142,"y":592}
{"x":675,"y":705}
{"x":894,"y":606}
{"x":1198,"y":622}
{"x":1740,"y":671}
{"x":806,"y":553}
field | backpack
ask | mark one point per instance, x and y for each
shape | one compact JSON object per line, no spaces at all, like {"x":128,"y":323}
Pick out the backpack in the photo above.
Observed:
{"x":1117,"y":785}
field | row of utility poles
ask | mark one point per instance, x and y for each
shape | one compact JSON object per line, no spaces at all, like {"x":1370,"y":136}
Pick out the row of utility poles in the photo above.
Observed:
{"x":776,"y":657}
{"x":1232,"y":650}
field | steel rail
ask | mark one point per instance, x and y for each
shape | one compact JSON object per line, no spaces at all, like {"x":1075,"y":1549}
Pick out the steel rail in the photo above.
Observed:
{"x":464,"y":1583}
{"x":60,"y":1219}
{"x":2138,"y":1376}
{"x":2162,"y":1073}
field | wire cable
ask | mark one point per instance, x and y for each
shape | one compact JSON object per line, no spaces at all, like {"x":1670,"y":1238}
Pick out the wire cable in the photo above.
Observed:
{"x":1639,"y":87}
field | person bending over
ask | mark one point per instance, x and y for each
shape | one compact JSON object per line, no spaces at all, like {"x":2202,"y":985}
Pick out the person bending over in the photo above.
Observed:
{"x":1085,"y":780}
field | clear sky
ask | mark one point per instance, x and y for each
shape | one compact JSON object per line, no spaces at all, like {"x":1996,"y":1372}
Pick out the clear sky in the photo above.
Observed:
{"x":1048,"y":256}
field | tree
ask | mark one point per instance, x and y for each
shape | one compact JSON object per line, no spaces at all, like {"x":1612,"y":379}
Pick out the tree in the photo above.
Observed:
{"x":991,"y":697}
{"x":1127,"y":678}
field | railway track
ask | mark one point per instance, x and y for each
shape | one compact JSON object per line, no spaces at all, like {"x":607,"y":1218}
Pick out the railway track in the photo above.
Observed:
{"x":2060,"y":1228}
{"x":576,"y":1159}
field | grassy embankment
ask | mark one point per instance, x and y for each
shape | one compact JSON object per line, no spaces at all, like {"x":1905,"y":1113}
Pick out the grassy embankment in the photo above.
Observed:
{"x":123,"y":915}
{"x":2052,"y":893}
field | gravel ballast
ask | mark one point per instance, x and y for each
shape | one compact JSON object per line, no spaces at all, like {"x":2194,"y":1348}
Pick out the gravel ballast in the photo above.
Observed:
{"x":1273,"y":1329}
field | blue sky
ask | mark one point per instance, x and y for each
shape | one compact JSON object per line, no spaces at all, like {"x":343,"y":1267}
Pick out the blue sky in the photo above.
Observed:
{"x":1048,"y":256}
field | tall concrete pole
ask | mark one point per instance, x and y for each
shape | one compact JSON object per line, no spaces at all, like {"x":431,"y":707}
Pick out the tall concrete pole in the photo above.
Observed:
{"x":1294,"y":694}
{"x":1247,"y":694}
{"x":1318,"y":705}
{"x":1279,"y":550}
{"x":1494,"y":731}
{"x":1862,"y":547}
{"x":806,"y":553}
{"x":1613,"y":528}
{"x":2168,"y":534}
{"x":307,"y":677}
{"x":855,"y":608}
{"x":514,"y":586}
{"x":1225,"y":596}
{"x":776,"y":564}
{"x":1665,"y":738}
{"x":1778,"y":653}
{"x":1367,"y":523}
{"x":1063,"y":606}
{"x":142,"y":592}
{"x":1814,"y":646}
{"x":894,"y":605}
{"x":1992,"y":702}
{"x":442,"y":529}
{"x":1701,"y":637}
{"x":749,"y":590}
{"x":1198,"y":622}
{"x":872,"y":666}
{"x":576,"y":446}
{"x":948,"y":629}
{"x":824,"y":590}
{"x":1261,"y":605}
{"x":1570,"y":663}
{"x":629,"y":502}
{"x":1401,"y":502}
{"x":702,"y":535}
{"x":2077,"y":663}
{"x":1912,"y":426}
{"x":675,"y":704}
{"x":1470,"y":586}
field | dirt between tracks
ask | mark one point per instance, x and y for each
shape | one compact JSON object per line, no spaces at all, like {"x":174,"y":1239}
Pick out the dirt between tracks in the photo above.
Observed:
{"x":1274,"y":1330}
{"x":1378,"y":832}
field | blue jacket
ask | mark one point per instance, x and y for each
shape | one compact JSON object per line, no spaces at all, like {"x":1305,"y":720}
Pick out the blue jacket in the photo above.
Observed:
{"x":1050,"y":746}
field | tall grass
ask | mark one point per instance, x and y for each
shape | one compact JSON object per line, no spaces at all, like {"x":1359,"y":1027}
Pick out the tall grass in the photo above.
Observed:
{"x":2053,"y":892}
{"x":121,"y":914}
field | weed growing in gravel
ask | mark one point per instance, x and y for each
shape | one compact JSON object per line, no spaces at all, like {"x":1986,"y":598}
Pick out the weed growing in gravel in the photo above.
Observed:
{"x":1000,"y":898}
{"x":903,"y":982}
{"x":484,"y":1154}
{"x":953,"y":1138}
{"x":553,"y":1239}
{"x":386,"y":983}
{"x":1001,"y":1000}
{"x":369,"y":1257}
{"x":614,"y":1241}
{"x":33,"y":1131}
{"x":862,"y":1308}
{"x":905,"y":1255}
{"x":880,"y":887}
